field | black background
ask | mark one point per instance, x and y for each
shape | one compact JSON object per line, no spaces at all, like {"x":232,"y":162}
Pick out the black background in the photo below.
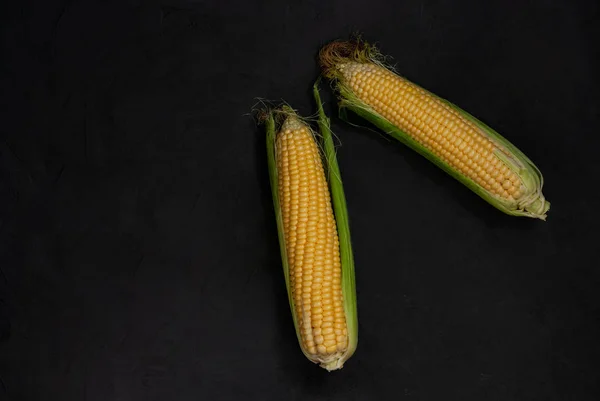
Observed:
{"x":138,"y":247}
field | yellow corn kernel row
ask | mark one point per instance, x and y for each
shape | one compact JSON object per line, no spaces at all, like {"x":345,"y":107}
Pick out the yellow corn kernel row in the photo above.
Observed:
{"x":311,"y":242}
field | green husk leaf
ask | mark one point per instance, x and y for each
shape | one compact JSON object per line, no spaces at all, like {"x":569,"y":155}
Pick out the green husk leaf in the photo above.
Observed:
{"x":534,"y":205}
{"x":273,"y":120}
{"x":272,"y":166}
{"x":340,"y":210}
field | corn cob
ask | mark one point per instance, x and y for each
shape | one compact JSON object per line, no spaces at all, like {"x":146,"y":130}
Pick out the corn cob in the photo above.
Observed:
{"x":463,"y":146}
{"x":318,"y":265}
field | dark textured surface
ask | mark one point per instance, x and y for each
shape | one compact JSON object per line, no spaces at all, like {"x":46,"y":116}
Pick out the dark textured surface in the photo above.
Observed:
{"x":138,"y":249}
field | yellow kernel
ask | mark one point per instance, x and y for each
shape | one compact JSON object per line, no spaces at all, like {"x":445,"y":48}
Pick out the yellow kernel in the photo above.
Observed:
{"x":331,"y":348}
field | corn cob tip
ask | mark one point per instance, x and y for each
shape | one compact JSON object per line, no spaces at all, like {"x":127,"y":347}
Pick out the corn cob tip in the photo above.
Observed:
{"x":283,"y":117}
{"x":333,"y":55}
{"x":538,"y":208}
{"x":287,"y":118}
{"x":335,"y":364}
